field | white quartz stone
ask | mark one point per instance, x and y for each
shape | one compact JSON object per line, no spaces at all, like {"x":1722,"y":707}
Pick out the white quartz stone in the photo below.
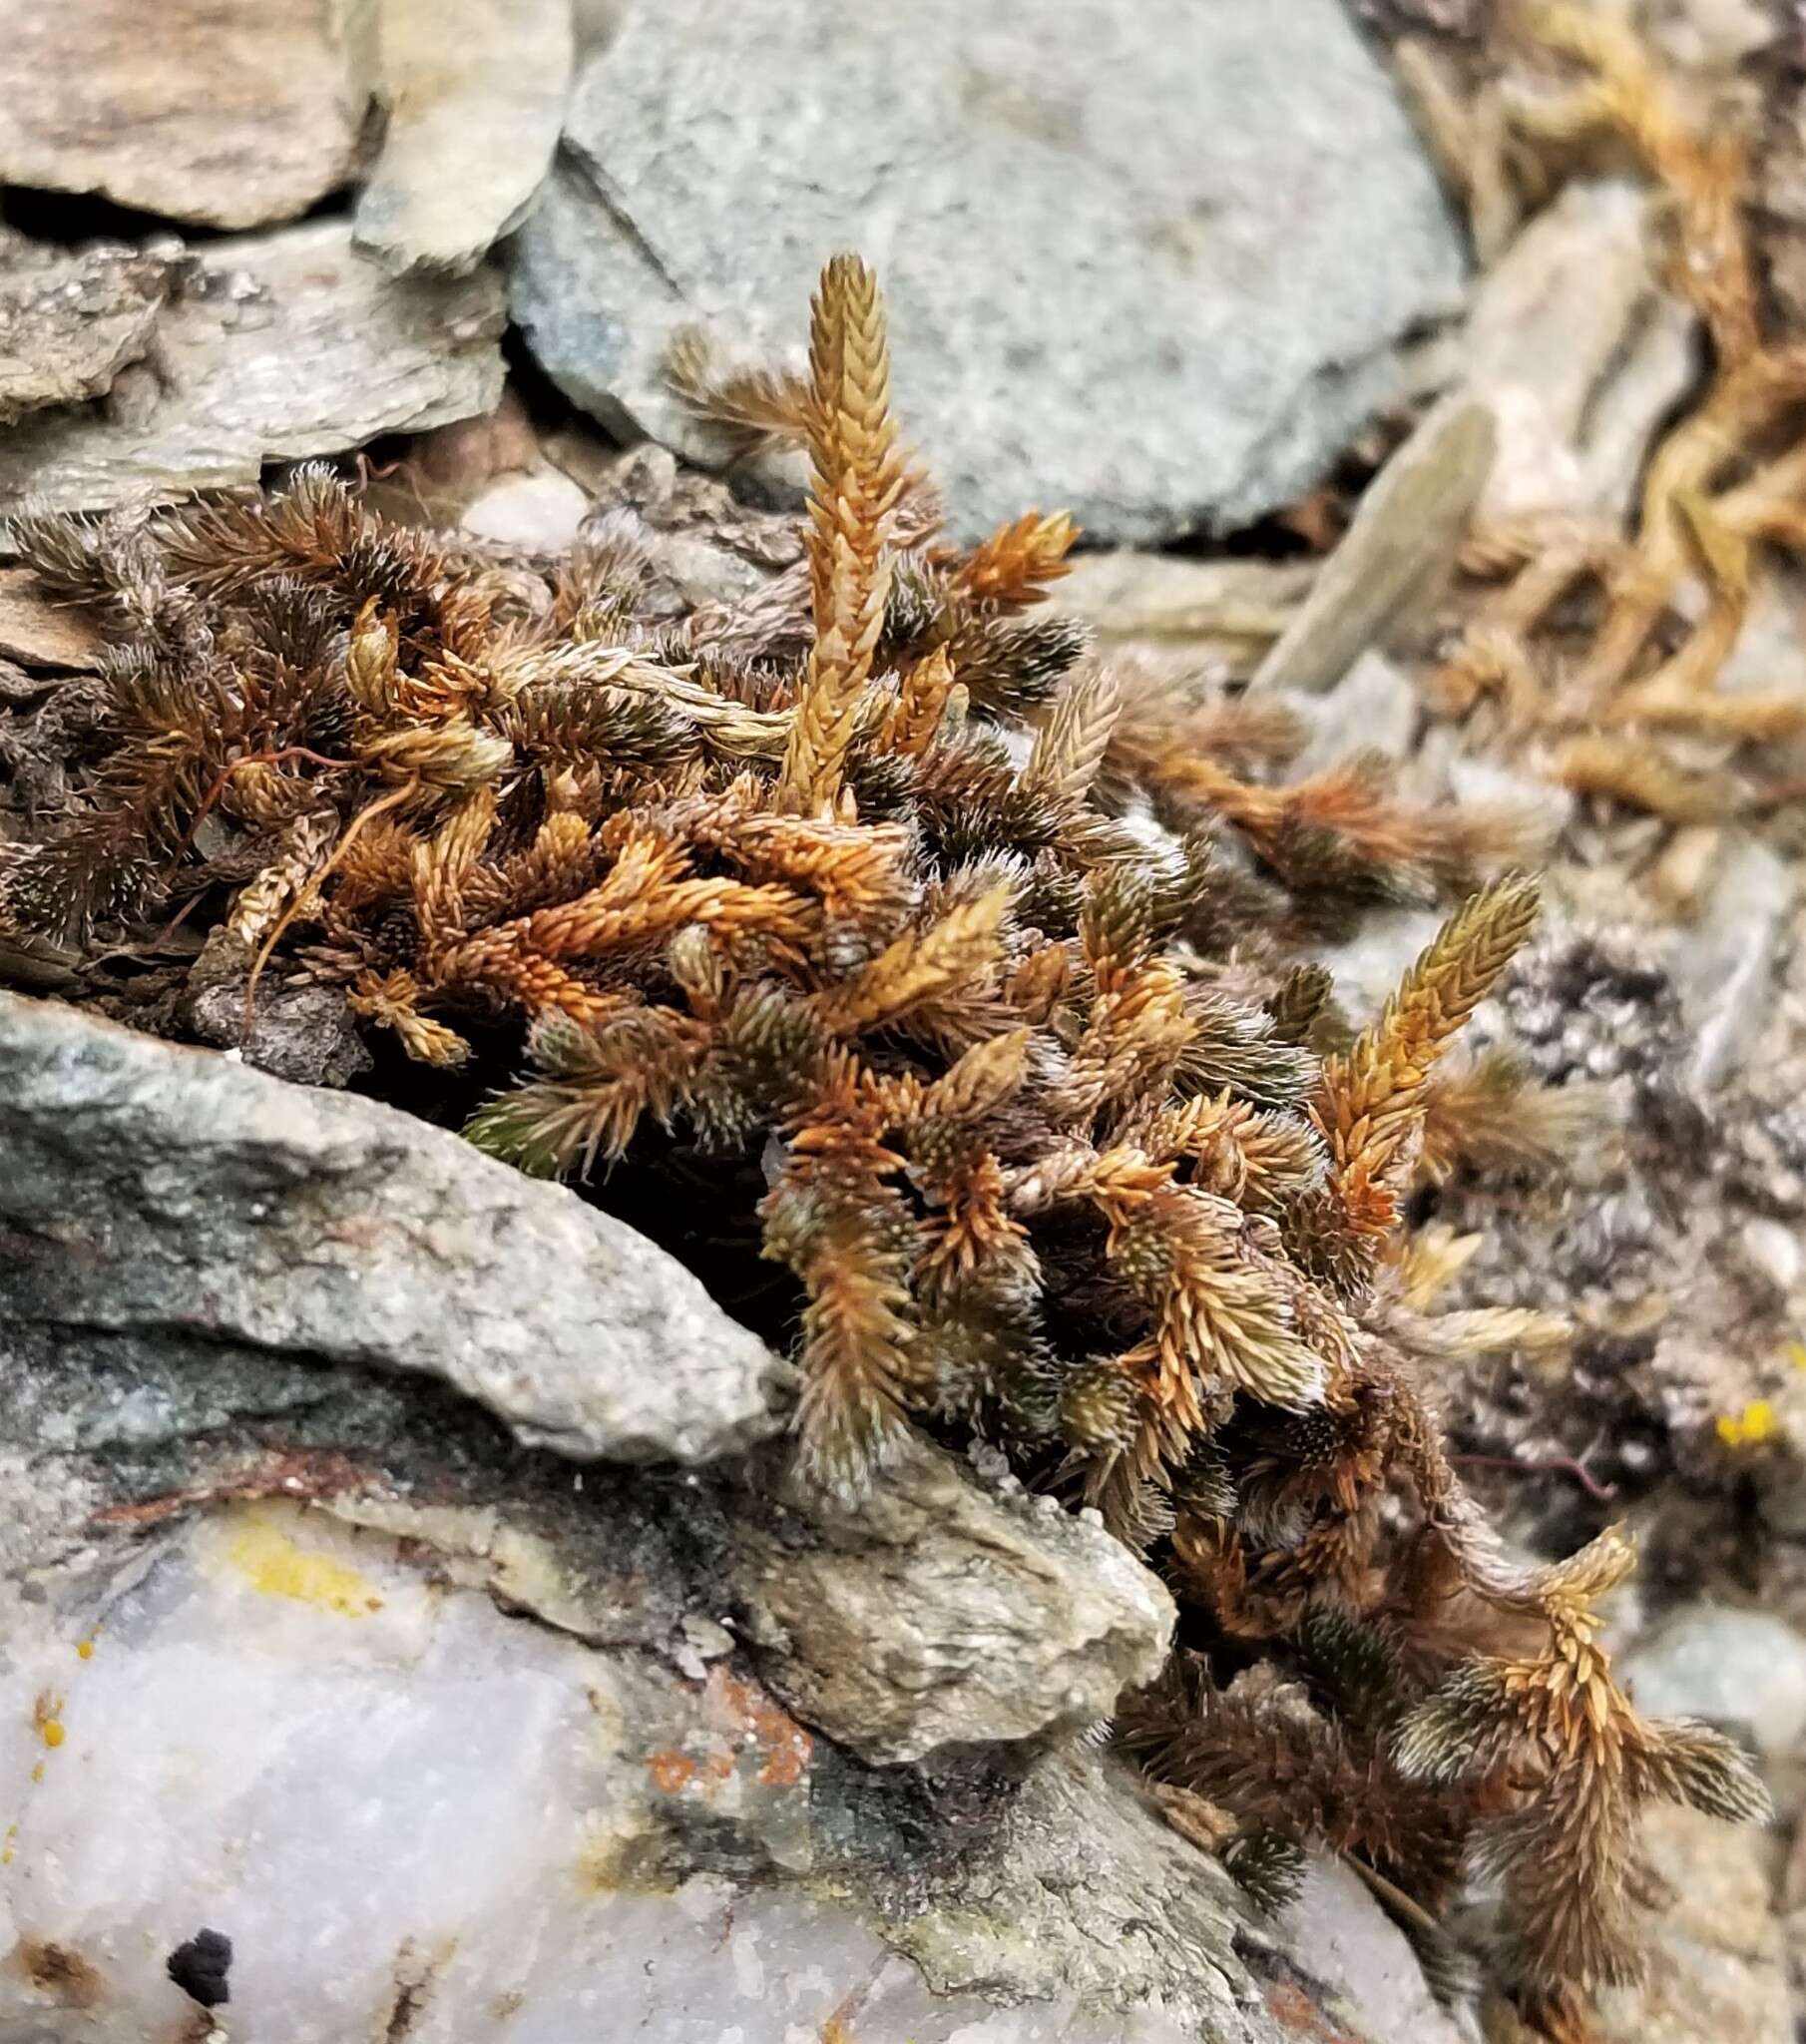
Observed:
{"x":413,"y":1816}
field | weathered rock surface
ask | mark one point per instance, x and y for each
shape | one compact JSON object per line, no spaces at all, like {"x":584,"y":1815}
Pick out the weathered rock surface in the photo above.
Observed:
{"x":69,"y":322}
{"x":1745,"y":1669}
{"x":475,"y":91}
{"x":933,"y":1614}
{"x":1151,"y":267}
{"x":178,"y":1199}
{"x":272,"y":348}
{"x":235,"y":117}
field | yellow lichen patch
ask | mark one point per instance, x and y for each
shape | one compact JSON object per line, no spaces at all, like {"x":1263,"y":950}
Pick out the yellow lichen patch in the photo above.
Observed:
{"x":277,"y":1566}
{"x":1750,"y":1428}
{"x":54,"y":1734}
{"x":1796,"y":1354}
{"x":85,"y":1652}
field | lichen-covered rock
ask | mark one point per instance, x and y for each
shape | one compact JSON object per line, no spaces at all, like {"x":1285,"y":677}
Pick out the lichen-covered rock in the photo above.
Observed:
{"x":178,"y":1197}
{"x":1150,"y":263}
{"x":936,"y":1614}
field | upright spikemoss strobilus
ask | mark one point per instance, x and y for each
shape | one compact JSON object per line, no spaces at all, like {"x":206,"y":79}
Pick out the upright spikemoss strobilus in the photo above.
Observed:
{"x":989,"y":953}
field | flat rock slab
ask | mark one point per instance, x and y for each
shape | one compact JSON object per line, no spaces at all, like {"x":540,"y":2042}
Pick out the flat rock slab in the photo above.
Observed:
{"x":183,"y":1198}
{"x":1150,"y":263}
{"x":273,"y":348}
{"x":1397,"y":554}
{"x":42,"y":632}
{"x":475,"y":91}
{"x":70,"y":322}
{"x":233,"y":116}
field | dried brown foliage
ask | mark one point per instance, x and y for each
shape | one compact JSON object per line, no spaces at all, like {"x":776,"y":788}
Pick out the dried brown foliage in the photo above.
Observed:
{"x":1008,"y":1030}
{"x":1613,"y":643}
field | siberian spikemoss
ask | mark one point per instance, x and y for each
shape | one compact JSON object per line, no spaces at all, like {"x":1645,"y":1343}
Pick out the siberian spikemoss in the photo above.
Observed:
{"x":989,"y":955}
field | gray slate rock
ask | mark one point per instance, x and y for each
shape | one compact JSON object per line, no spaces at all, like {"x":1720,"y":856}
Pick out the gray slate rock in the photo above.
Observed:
{"x":272,"y":348}
{"x":1150,"y":263}
{"x":935,"y":1615}
{"x":177,"y":1196}
{"x":233,"y":116}
{"x":475,"y":91}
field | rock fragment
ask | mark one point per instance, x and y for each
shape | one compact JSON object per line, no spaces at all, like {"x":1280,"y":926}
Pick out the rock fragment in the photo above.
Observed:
{"x":273,"y":348}
{"x":1396,"y":555}
{"x":71,"y":321}
{"x":935,"y":1614}
{"x":41,"y":633}
{"x":475,"y":91}
{"x":177,"y":1196}
{"x":1581,"y":355}
{"x":235,"y":117}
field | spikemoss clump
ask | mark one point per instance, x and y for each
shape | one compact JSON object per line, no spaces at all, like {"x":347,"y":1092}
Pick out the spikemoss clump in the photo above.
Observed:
{"x":984,"y":957}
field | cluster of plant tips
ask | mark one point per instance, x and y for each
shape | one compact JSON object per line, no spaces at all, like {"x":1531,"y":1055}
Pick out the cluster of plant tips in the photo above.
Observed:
{"x":972,"y":971}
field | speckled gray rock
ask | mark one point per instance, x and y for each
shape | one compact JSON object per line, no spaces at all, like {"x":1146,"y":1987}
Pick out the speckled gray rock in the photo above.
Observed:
{"x":1147,"y":262}
{"x":177,"y":1196}
{"x":269,"y":348}
{"x":1717,"y":1969}
{"x":936,"y":1614}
